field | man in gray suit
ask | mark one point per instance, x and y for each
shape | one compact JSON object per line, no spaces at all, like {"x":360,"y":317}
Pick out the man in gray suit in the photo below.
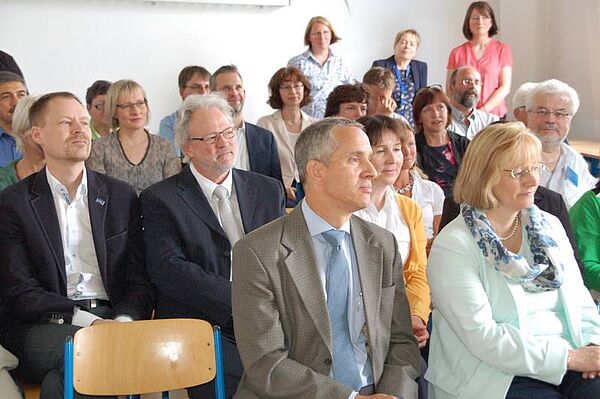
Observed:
{"x":316,"y":318}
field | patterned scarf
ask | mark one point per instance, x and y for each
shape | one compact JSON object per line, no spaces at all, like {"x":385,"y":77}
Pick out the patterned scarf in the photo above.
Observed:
{"x":543,"y":275}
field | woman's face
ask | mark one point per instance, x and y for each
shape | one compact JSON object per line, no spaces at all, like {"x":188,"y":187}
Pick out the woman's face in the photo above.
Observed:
{"x":406,"y":48}
{"x":387,"y":158}
{"x":132,"y":110}
{"x":517,"y":193}
{"x":291,"y":92}
{"x":320,"y":36}
{"x":409,"y":151}
{"x":434,"y":117}
{"x":480,"y":23}
{"x":353,"y":110}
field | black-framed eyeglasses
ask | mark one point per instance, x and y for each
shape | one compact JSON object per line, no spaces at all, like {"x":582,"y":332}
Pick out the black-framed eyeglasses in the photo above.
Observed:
{"x":211,"y":138}
{"x":130,"y":106}
{"x":533,"y":171}
{"x":197,"y":87}
{"x":543,"y":112}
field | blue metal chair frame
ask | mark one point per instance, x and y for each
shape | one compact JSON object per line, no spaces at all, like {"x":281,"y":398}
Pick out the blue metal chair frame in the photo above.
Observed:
{"x":219,"y":378}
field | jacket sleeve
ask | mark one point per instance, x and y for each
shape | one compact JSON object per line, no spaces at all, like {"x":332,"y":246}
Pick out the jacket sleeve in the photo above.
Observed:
{"x":585,"y":218}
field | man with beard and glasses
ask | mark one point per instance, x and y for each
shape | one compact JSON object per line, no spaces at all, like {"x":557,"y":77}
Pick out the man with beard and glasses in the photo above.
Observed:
{"x":193,"y":219}
{"x":464,"y":91}
{"x":12,"y":90}
{"x":550,"y":106}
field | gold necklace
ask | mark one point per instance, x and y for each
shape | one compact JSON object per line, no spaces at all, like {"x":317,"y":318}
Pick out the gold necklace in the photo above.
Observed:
{"x":514,"y":229}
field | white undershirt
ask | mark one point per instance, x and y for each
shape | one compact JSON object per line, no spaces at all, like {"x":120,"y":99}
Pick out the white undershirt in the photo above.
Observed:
{"x":242,"y":159}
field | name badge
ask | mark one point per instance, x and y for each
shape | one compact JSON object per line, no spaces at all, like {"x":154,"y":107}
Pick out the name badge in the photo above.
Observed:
{"x":572,"y":176}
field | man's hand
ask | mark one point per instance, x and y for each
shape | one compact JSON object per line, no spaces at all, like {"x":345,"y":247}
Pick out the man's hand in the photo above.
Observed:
{"x":420,"y":330}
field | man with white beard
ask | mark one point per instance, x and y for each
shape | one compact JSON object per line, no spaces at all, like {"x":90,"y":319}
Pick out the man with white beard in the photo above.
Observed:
{"x":464,"y":91}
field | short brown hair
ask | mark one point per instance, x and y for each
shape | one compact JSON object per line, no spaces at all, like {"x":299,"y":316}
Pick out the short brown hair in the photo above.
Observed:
{"x":284,"y":75}
{"x":407,"y":32}
{"x":322,"y":20}
{"x":426,"y":96}
{"x":375,"y":125}
{"x":494,"y":149}
{"x":38,"y":109}
{"x":484,"y":8}
{"x":189,"y":71}
{"x":98,"y":88}
{"x":380,"y":77}
{"x":344,"y":94}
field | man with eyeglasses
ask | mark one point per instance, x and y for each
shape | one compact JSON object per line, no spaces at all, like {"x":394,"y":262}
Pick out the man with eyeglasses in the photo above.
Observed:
{"x":464,"y":91}
{"x":193,"y":79}
{"x":193,"y":219}
{"x":95,"y":98}
{"x":550,"y":106}
{"x":256,"y":147}
{"x":12,"y":90}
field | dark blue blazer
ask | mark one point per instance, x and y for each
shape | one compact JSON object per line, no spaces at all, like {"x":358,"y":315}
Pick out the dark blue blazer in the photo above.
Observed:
{"x":33,"y":280}
{"x":187,"y":251}
{"x":418,"y":68}
{"x":262,"y":151}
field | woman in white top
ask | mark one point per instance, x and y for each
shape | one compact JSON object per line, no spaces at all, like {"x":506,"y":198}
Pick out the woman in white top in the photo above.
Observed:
{"x":400,"y":215}
{"x":412,"y":183}
{"x":512,"y":318}
{"x":288,"y":91}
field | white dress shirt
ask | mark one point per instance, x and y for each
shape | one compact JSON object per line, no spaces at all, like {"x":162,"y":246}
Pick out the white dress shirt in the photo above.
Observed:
{"x":390,"y":218}
{"x":430,"y":198}
{"x":478,"y":120}
{"x":356,"y":310}
{"x":208,"y":187}
{"x":81,"y":264}
{"x":242,"y":159}
{"x":571,"y":177}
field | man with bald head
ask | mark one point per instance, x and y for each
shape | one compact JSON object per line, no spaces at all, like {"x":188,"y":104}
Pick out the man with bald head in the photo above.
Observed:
{"x":464,"y":91}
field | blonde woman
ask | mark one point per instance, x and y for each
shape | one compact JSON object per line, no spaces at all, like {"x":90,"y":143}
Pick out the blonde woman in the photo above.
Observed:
{"x":131,"y":153}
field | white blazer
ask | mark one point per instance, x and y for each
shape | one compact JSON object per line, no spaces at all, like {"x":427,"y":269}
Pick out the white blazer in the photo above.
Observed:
{"x":480,"y":336}
{"x":275,"y":123}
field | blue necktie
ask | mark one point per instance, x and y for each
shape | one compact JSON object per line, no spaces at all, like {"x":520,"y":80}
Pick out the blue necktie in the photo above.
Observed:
{"x":345,"y":369}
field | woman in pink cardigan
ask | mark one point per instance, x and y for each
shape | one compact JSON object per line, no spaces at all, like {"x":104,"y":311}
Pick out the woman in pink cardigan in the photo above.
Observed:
{"x":492,"y":58}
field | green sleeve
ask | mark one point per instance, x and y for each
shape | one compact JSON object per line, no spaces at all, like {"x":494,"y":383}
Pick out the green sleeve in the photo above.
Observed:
{"x":585,"y":218}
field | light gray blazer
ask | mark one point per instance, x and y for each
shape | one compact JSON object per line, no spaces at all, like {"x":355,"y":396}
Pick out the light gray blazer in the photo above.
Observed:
{"x":281,"y":321}
{"x":285,"y":149}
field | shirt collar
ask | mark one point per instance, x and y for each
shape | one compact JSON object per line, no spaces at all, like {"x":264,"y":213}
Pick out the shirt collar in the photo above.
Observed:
{"x":6,"y":135}
{"x":316,"y":224}
{"x":58,"y":189}
{"x":208,"y":186}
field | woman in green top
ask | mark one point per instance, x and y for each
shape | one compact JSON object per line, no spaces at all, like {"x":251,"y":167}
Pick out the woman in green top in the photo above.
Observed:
{"x":33,"y":156}
{"x":585,"y":218}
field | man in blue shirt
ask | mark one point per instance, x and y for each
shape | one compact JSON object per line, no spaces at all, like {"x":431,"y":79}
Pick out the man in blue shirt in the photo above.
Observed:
{"x":12,"y":90}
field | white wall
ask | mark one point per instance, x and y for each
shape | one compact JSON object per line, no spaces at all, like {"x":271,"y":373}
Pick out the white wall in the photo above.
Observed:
{"x":67,"y":44}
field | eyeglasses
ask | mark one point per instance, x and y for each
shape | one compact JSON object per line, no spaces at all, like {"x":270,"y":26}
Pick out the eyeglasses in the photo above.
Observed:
{"x":211,"y":138}
{"x":321,"y":33}
{"x":130,"y":106}
{"x":543,"y":112}
{"x":98,"y":106}
{"x":197,"y":87}
{"x":468,"y":82}
{"x":478,"y":18}
{"x":295,"y":86}
{"x":533,"y":171}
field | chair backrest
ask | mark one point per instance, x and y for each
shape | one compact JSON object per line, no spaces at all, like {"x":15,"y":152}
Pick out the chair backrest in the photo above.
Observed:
{"x":143,"y":356}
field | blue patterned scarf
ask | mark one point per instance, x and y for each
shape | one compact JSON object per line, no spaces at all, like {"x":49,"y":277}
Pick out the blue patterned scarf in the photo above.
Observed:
{"x":543,"y":275}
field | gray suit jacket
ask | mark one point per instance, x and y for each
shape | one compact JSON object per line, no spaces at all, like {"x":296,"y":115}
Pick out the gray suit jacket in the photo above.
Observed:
{"x":281,"y":321}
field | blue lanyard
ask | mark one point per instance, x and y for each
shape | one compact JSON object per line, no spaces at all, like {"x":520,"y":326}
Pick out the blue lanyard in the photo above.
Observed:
{"x":401,"y":82}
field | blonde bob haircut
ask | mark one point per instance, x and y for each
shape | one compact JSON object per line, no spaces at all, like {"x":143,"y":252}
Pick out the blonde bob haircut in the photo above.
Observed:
{"x":405,"y":32}
{"x":21,"y":124}
{"x":322,"y":20}
{"x":112,"y":99}
{"x":496,"y":148}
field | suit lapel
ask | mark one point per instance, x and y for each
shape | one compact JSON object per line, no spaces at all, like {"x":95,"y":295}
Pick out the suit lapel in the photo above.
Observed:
{"x":246,"y":198}
{"x":369,"y":259}
{"x":302,"y":266}
{"x":98,"y":204}
{"x":415,"y":73}
{"x":42,"y":203}
{"x":192,"y":196}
